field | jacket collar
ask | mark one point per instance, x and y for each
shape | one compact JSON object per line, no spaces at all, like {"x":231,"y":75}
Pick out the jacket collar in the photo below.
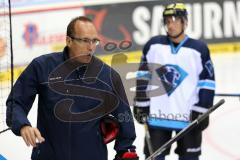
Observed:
{"x":65,"y":53}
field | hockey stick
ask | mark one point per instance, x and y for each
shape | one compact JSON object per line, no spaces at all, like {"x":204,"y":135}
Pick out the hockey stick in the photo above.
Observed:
{"x":148,"y":139}
{"x":227,"y":94}
{"x":185,"y":130}
{"x":4,"y":130}
{"x":11,"y":51}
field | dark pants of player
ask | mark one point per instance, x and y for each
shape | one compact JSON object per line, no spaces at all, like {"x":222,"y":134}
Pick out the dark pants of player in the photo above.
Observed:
{"x":188,"y":147}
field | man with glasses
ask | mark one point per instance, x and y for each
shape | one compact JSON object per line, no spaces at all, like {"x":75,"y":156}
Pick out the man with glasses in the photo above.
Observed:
{"x":187,"y":75}
{"x":80,"y":102}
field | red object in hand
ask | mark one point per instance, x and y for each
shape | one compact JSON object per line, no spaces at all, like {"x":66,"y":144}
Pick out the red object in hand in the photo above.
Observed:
{"x":109,"y":128}
{"x":130,"y":155}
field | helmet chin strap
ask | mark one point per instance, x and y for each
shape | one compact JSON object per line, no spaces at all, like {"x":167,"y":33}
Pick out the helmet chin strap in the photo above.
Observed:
{"x":176,"y":35}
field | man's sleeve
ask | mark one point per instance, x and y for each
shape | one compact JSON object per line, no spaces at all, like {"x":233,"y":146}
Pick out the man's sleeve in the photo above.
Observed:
{"x":143,"y":77}
{"x":21,"y":98}
{"x":123,"y":113}
{"x":206,"y":83}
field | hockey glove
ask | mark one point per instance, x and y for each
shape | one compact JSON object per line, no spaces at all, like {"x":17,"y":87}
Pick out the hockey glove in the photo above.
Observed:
{"x":202,"y":125}
{"x":141,"y":114}
{"x":109,"y":127}
{"x":126,"y":155}
{"x":141,"y":109}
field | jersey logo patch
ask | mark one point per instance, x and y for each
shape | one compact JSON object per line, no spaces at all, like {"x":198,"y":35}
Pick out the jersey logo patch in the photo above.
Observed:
{"x":209,"y":66}
{"x":172,"y":75}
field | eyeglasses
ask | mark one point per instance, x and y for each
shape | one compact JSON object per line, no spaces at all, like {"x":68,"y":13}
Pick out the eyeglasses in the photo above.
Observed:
{"x":94,"y":41}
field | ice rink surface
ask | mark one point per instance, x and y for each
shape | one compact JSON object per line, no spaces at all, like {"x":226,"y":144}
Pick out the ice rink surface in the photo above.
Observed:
{"x":220,"y":141}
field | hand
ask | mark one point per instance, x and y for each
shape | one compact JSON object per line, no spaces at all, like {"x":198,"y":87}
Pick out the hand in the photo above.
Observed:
{"x":126,"y":155}
{"x":202,"y":125}
{"x":194,"y":115}
{"x":141,"y":114}
{"x":30,"y":134}
{"x":109,"y":127}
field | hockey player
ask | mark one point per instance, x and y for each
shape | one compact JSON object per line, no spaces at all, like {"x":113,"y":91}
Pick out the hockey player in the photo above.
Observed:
{"x":76,"y":93}
{"x":188,"y":76}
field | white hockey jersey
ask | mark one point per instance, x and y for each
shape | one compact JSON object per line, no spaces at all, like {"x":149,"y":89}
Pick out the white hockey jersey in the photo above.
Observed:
{"x":187,"y":73}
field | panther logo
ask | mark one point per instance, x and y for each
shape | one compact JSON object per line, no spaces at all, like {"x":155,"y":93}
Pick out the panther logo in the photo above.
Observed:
{"x":172,"y":75}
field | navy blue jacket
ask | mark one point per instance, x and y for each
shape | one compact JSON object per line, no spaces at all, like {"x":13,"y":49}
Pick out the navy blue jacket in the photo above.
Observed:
{"x":70,"y":107}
